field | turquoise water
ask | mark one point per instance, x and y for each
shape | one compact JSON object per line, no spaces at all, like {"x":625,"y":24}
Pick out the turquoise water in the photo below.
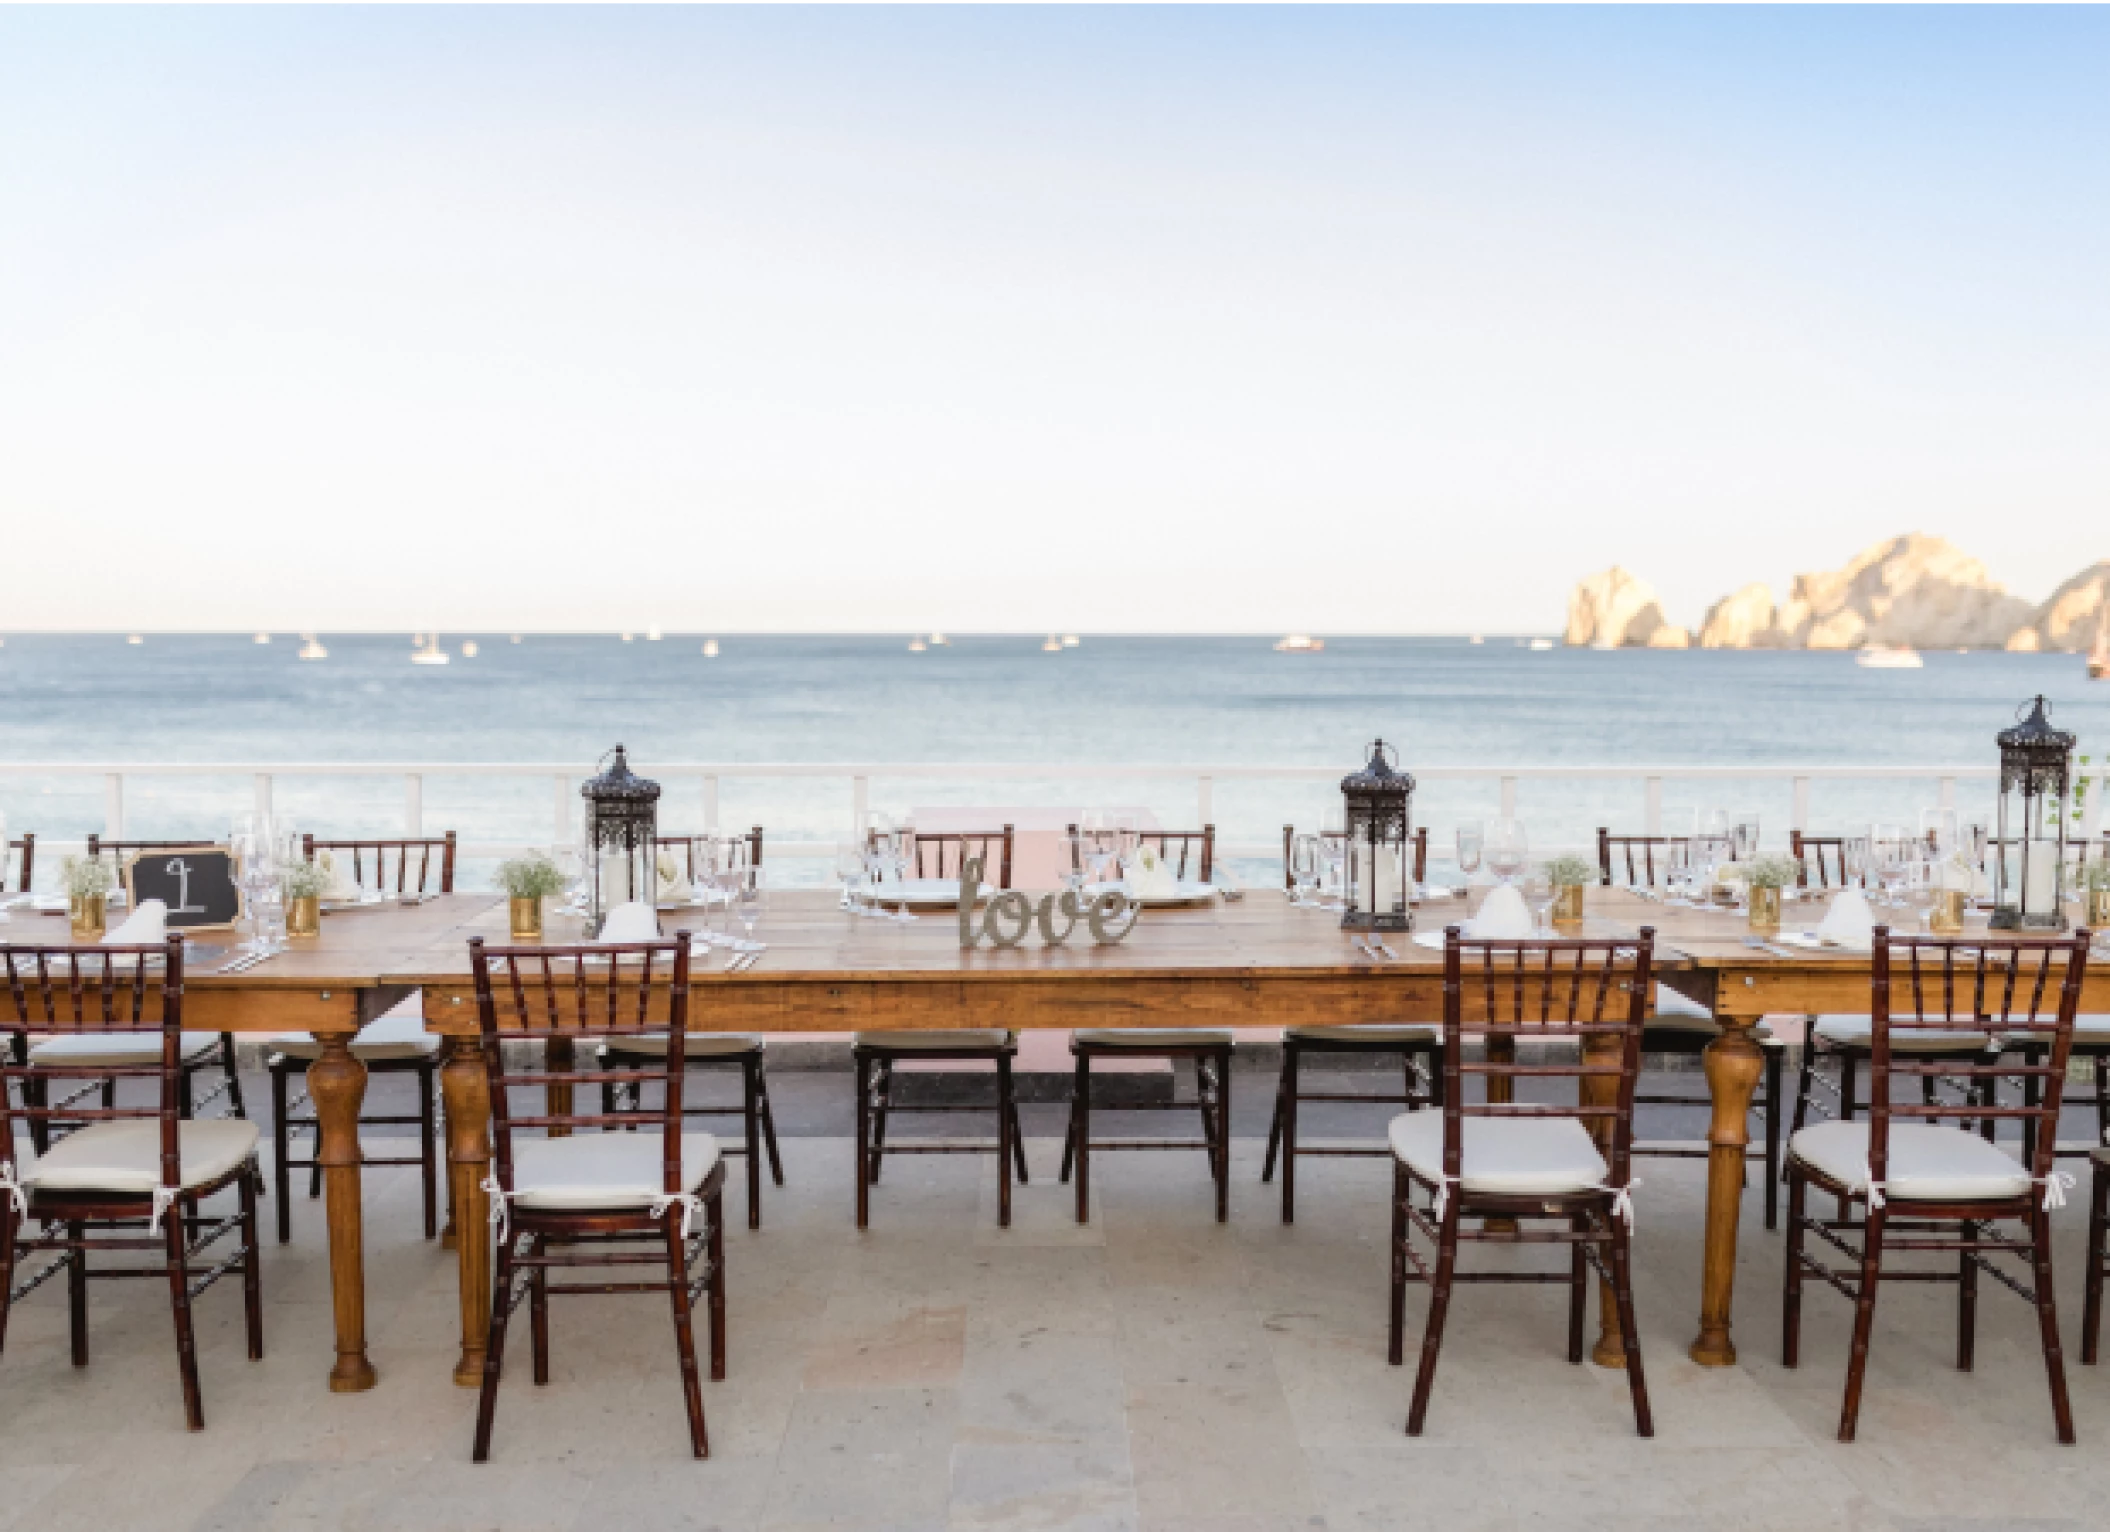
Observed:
{"x":1120,"y":701}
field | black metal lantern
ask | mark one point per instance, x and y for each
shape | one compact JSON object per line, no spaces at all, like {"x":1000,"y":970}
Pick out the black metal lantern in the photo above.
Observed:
{"x":2029,"y":852}
{"x":622,"y":818}
{"x":1378,"y":884}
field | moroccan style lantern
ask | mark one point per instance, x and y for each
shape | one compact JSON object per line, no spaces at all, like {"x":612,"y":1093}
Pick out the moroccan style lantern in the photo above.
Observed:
{"x":1378,"y":884}
{"x":622,"y":817}
{"x":2029,"y":852}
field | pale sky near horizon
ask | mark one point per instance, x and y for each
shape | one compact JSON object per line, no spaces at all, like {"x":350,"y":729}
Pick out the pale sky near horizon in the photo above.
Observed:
{"x":1189,"y":319}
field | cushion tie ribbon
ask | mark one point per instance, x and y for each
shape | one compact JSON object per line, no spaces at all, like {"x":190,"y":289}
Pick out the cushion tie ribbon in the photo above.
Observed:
{"x":691,"y":1205}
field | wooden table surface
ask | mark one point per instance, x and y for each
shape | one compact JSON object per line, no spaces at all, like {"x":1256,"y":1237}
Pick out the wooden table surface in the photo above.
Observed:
{"x":1256,"y":962}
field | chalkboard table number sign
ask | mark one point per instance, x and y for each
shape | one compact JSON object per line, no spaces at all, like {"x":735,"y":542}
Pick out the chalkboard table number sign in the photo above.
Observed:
{"x":201,"y":885}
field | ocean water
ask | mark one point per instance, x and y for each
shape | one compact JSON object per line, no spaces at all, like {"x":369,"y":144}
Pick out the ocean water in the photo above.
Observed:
{"x":1111,"y":701}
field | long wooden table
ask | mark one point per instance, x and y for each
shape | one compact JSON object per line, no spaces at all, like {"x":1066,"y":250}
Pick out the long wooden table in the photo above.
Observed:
{"x":1253,"y":963}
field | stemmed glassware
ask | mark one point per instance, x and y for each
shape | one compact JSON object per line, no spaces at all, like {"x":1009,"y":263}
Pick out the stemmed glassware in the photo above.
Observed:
{"x":1471,"y":837}
{"x":1304,"y":868}
{"x":255,"y":848}
{"x":1508,"y":848}
{"x":747,"y":903}
{"x":849,"y":870}
{"x":1076,"y":851}
{"x":901,"y":853}
{"x":1743,"y":837}
{"x":1890,"y":849}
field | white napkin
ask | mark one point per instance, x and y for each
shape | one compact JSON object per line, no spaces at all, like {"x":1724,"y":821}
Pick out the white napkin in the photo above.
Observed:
{"x":1150,"y":875}
{"x":1503,"y":917}
{"x":630,"y":923}
{"x":339,"y":871}
{"x":673,"y":878}
{"x":1849,"y":922}
{"x":143,"y":927}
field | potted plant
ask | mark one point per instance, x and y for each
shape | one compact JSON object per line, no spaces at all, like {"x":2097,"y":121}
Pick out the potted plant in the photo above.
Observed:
{"x":88,"y":881}
{"x":2096,"y":881}
{"x":1569,"y":875}
{"x":303,"y":885}
{"x":528,"y":880}
{"x":1764,"y":878}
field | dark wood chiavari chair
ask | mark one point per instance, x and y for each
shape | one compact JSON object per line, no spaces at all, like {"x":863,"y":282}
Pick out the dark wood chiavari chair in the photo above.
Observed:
{"x":109,"y":1168}
{"x":1415,"y":1045}
{"x":1680,"y":1027}
{"x":1210,"y":1050}
{"x":1925,"y":1186}
{"x":22,"y":851}
{"x":1185,"y":849}
{"x":709,"y":1051}
{"x":200,"y":1050}
{"x":1826,"y":854}
{"x":1511,"y":1161}
{"x":394,"y":1043}
{"x":595,"y":1199}
{"x":940,"y":854}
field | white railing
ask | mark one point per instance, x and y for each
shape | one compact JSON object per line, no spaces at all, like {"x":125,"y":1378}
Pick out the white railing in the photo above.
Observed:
{"x":703,"y":779}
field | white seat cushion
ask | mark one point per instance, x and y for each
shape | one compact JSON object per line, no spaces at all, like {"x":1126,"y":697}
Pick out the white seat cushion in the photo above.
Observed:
{"x":1928,"y":1162}
{"x":1376,"y":1034}
{"x":603,"y":1170}
{"x":953,"y":1037}
{"x":1510,"y":1156}
{"x":1143,"y":1039}
{"x":1859,"y":1032}
{"x":113,"y":1050}
{"x":126,"y":1156}
{"x":698,"y":1045}
{"x":2094,"y":1028}
{"x":395,"y":1036}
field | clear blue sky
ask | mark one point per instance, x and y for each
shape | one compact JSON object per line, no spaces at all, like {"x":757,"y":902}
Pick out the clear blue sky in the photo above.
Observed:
{"x":1340,"y":320}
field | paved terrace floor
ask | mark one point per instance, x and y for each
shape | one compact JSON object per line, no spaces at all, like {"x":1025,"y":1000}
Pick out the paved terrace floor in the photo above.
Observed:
{"x":1152,"y":1371}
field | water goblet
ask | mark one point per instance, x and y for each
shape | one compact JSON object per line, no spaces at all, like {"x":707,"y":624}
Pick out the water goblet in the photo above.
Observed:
{"x":747,"y":904}
{"x":1333,"y":851}
{"x":1744,"y":837}
{"x":1304,"y":868}
{"x":901,"y":856}
{"x":1471,"y":837}
{"x":849,"y":867}
{"x":1508,"y":848}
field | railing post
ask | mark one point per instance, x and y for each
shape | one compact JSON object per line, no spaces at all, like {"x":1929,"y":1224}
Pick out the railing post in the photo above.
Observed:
{"x":1946,"y":796}
{"x":1509,"y":797}
{"x":263,"y":794}
{"x":413,"y":804}
{"x":560,"y":818}
{"x":1652,"y":806}
{"x":1205,"y":800}
{"x":860,"y":803}
{"x":710,"y":804}
{"x":114,"y":806}
{"x":1799,"y":812}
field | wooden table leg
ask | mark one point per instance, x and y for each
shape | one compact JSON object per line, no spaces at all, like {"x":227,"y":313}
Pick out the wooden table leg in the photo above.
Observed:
{"x":1600,"y":1048}
{"x":1733,"y":1063}
{"x":467,"y":1092}
{"x":337,"y":1086}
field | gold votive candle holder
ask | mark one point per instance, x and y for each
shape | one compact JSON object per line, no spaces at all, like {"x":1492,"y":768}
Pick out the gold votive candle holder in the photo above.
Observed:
{"x":304,"y":915}
{"x":524,"y":919}
{"x":1764,"y":912}
{"x":1945,"y":913}
{"x":89,"y":915}
{"x":1568,"y":905}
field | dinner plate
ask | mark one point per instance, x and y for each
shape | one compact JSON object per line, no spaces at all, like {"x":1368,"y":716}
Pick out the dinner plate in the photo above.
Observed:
{"x":1186,"y":893}
{"x":1810,"y":941}
{"x":921,"y":893}
{"x":705,"y":901}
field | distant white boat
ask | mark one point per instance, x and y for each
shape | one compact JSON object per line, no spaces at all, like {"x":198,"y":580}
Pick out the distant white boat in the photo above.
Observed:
{"x":312,"y":648}
{"x":1299,"y":643}
{"x":1541,"y":644}
{"x":629,"y":638}
{"x":1476,"y":638}
{"x":134,"y":638}
{"x":263,"y":638}
{"x":1071,"y":640}
{"x":468,"y":648}
{"x":651,"y":635}
{"x":710,"y":648}
{"x":1053,"y":644}
{"x":916,"y":645}
{"x":1898,"y":658}
{"x":940,"y":641}
{"x":516,"y":638}
{"x":429,"y":652}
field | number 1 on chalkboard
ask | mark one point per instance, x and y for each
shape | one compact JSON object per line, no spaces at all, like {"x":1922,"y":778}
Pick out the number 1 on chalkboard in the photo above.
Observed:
{"x":181,"y":869}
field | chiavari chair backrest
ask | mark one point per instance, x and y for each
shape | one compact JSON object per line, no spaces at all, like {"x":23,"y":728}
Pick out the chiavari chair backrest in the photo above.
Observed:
{"x":1630,"y":861}
{"x":412,"y":858}
{"x":75,"y":991}
{"x":2024,"y":988}
{"x":1181,"y":846}
{"x":22,"y":851}
{"x":940,"y":854}
{"x":122,"y":851}
{"x":1421,"y":852}
{"x":746,"y":848}
{"x":541,"y":995}
{"x":1594,"y":992}
{"x":1825,"y":853}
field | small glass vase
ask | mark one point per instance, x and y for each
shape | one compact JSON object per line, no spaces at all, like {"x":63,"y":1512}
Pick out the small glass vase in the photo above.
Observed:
{"x":524,"y":919}
{"x":304,"y":915}
{"x":1765,"y":909}
{"x":89,"y":914}
{"x":1945,"y":911}
{"x":1567,"y":905}
{"x":2098,"y":908}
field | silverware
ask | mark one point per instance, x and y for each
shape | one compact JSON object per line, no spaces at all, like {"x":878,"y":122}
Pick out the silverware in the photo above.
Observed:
{"x":1387,"y":951}
{"x":1754,"y":942}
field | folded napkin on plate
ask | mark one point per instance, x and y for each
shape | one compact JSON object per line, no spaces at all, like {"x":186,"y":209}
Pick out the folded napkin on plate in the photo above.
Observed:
{"x":1849,"y":922}
{"x":1150,"y":875}
{"x":144,"y":926}
{"x":338,"y":869}
{"x":673,"y":878}
{"x":1504,"y":917}
{"x":630,"y":923}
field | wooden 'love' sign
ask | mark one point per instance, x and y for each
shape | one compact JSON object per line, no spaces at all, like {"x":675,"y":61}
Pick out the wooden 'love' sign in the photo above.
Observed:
{"x":201,"y":885}
{"x":1011,"y":914}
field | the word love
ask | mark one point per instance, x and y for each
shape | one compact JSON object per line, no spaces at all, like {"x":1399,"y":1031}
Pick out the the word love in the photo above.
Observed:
{"x":1009,"y":915}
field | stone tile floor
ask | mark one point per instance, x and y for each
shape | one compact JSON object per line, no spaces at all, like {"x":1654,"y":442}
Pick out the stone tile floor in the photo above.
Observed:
{"x":1153,"y":1371}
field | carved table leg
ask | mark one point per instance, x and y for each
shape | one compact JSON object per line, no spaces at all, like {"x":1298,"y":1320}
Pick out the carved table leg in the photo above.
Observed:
{"x":467,"y":1091}
{"x":337,"y":1086}
{"x":1601,"y":1048}
{"x":1733,"y":1063}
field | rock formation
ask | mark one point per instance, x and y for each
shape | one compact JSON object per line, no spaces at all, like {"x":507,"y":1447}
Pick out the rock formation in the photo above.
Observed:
{"x":2069,"y":619}
{"x":1742,"y":621}
{"x":1917,"y":591}
{"x":1618,"y":609}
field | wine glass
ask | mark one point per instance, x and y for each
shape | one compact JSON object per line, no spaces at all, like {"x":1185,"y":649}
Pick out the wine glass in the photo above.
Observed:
{"x":1333,"y":852}
{"x":1677,"y":870}
{"x":1888,"y":845}
{"x":1854,"y":857}
{"x":1508,"y":848}
{"x":1074,"y":852}
{"x":849,"y":867}
{"x":1304,"y":867}
{"x":747,"y":904}
{"x":901,"y":852}
{"x":1471,"y":837}
{"x":1538,"y":892}
{"x":1126,"y":838}
{"x":1744,"y":837}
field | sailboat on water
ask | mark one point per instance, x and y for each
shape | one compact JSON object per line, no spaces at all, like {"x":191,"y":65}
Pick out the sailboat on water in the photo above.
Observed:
{"x":428,"y":651}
